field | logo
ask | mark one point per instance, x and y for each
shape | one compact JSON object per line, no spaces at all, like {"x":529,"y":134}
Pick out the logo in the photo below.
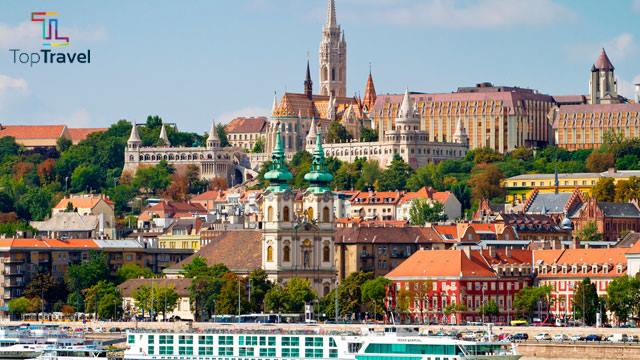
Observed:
{"x":52,"y":38}
{"x":49,"y":28}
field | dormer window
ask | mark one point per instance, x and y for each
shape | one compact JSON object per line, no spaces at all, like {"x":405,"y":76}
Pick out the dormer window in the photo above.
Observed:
{"x":594,"y":268}
{"x":619,"y":269}
{"x":584,"y":269}
{"x":574,"y":269}
{"x":554,"y":269}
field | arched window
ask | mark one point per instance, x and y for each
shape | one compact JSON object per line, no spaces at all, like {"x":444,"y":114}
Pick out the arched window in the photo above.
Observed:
{"x":326,"y":254}
{"x":325,"y":214}
{"x":310,"y":213}
{"x":333,"y":74}
{"x":269,"y":253}
{"x":285,"y":213}
{"x":326,"y":290}
{"x":270,"y":213}
{"x":286,"y":253}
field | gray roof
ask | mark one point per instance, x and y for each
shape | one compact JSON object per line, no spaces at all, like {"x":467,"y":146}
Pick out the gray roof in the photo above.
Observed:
{"x":119,"y":244}
{"x":68,"y":221}
{"x":549,"y":203}
{"x":614,"y":174}
{"x":619,"y":209}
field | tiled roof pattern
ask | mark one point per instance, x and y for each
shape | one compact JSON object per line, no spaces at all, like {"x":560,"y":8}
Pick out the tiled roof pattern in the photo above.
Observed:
{"x":441,"y":263}
{"x":246,"y":125}
{"x":549,"y":203}
{"x":387,"y":235}
{"x":239,"y":250}
{"x":32,"y":131}
{"x":579,"y":257}
{"x":82,"y":202}
{"x":67,"y":221}
{"x":49,"y":243}
{"x":79,"y":134}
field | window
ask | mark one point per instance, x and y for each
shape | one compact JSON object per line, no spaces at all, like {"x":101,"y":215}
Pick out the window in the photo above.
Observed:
{"x":286,"y":253}
{"x":269,"y":253}
{"x":131,"y":339}
{"x":205,"y":340}
{"x":310,"y":213}
{"x":166,"y":339}
{"x":185,"y":339}
{"x":326,"y":254}
{"x":325,"y":214}
{"x":285,"y":213}
{"x":270,"y":213}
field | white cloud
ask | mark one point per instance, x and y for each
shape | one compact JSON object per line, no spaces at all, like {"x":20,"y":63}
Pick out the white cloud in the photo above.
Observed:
{"x":635,"y":5}
{"x":627,"y":88}
{"x":619,"y":47}
{"x":458,"y":14}
{"x":622,"y":45}
{"x":21,"y":35}
{"x":28,"y":35}
{"x":11,"y":84}
{"x":244,"y":112}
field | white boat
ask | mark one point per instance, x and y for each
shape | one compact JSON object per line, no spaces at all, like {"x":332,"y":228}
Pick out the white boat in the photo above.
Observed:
{"x":28,"y":341}
{"x":72,"y":353}
{"x":282,"y":343}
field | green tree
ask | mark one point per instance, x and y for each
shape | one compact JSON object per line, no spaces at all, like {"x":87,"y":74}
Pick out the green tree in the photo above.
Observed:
{"x":528,"y":298}
{"x":62,"y":144}
{"x":275,"y":300}
{"x":153,"y":178}
{"x":423,"y":177}
{"x":369,"y":175}
{"x":122,"y":195}
{"x":222,"y":135}
{"x":85,"y":275}
{"x":490,"y":309}
{"x":142,"y":298}
{"x":368,"y":135}
{"x":600,"y":161}
{"x":258,"y":146}
{"x":46,"y":287}
{"x":423,"y":211}
{"x":19,"y":306}
{"x":485,"y":182}
{"x":395,"y":176}
{"x":585,"y":302}
{"x":627,"y":190}
{"x":623,"y":297}
{"x":233,"y":290}
{"x":374,"y":292}
{"x":164,"y":300}
{"x":589,"y":232}
{"x":484,"y":155}
{"x":289,"y":298}
{"x":101,"y":299}
{"x":337,"y":133}
{"x":34,"y":204}
{"x":259,"y":285}
{"x":604,"y":190}
{"x":346,"y":176}
{"x":133,"y":271}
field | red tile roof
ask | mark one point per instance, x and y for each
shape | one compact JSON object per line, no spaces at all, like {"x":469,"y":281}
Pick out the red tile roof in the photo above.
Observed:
{"x":387,"y":235}
{"x":209,"y":195}
{"x":579,"y":257}
{"x":246,"y":125}
{"x":49,"y":243}
{"x":376,"y":197}
{"x":79,"y":134}
{"x":424,"y":193}
{"x":82,"y":202}
{"x":441,"y":263}
{"x":32,"y":131}
{"x":603,"y":62}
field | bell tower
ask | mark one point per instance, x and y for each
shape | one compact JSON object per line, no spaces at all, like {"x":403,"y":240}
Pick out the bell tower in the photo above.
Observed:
{"x":333,"y":56}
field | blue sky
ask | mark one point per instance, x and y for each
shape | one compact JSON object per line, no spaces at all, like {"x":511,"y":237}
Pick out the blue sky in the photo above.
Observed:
{"x":190,"y":61}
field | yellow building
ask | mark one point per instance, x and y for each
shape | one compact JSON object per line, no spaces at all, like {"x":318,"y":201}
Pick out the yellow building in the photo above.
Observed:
{"x":519,"y":187}
{"x":182,"y":234}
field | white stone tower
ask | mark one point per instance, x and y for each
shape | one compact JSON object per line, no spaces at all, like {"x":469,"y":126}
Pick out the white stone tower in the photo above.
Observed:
{"x":460,"y":136}
{"x":333,"y":56}
{"x":213,"y":142}
{"x":603,"y":87}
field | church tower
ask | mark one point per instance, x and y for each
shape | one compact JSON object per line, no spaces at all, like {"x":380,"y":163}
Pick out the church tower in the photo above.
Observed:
{"x":369,"y":94}
{"x":213,"y":142}
{"x":333,"y":56}
{"x":299,"y":244}
{"x":603,"y":87}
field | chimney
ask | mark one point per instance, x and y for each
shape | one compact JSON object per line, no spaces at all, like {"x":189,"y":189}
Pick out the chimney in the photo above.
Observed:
{"x":507,"y":252}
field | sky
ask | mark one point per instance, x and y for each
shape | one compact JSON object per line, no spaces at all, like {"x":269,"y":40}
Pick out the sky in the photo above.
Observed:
{"x":193,"y":61}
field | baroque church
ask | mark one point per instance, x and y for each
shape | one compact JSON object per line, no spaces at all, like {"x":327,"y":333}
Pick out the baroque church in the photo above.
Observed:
{"x":298,"y":234}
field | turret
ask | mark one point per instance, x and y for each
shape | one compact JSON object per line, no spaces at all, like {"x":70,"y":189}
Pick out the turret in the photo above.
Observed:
{"x":319,"y":177}
{"x":278,"y":174}
{"x":331,"y":108}
{"x":308,"y":84}
{"x":369,"y":93}
{"x":311,"y":136}
{"x":213,"y":141}
{"x":134,"y":141}
{"x":460,"y":135}
{"x":163,"y":136}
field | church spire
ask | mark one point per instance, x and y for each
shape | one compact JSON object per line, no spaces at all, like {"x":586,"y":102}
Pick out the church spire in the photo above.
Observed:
{"x":406,"y":108}
{"x":369,"y":93}
{"x":213,"y":140}
{"x":331,"y":14}
{"x":319,"y":177}
{"x":278,"y":174}
{"x":308,"y":84}
{"x":134,"y":138}
{"x":274,"y":107}
{"x":163,"y":136}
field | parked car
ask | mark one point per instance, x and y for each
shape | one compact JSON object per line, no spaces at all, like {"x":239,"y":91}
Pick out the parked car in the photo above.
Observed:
{"x":560,"y":337}
{"x":633,"y":338}
{"x":520,"y":337}
{"x":543,"y":337}
{"x":577,"y":337}
{"x":593,"y":337}
{"x":618,"y":338}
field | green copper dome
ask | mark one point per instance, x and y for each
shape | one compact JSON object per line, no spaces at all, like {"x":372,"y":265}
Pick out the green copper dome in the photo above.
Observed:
{"x":278,"y":174}
{"x":319,"y":176}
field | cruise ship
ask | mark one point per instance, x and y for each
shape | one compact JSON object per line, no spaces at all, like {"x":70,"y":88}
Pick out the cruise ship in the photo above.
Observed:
{"x":282,"y":343}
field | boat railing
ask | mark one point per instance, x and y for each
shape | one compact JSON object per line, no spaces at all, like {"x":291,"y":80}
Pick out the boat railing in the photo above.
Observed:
{"x":270,"y":331}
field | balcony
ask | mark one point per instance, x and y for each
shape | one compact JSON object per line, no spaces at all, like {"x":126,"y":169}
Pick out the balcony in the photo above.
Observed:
{"x":13,"y":260}
{"x":366,"y":255}
{"x":8,"y":271}
{"x":13,"y":283}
